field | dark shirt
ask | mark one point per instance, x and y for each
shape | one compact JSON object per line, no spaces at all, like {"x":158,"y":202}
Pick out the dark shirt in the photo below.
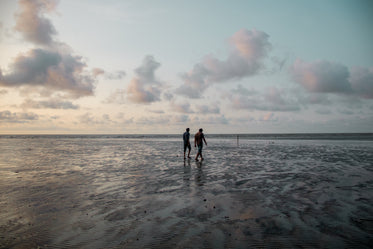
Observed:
{"x":186,"y":136}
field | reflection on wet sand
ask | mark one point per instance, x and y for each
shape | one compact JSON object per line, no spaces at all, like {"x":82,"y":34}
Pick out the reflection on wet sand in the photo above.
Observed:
{"x":200,"y":177}
{"x":119,"y":193}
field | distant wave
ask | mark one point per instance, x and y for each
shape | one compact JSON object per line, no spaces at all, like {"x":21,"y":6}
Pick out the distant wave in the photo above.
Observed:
{"x":268,"y":136}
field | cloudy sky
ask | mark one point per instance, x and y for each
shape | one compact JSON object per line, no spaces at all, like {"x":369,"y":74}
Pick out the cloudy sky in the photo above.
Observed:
{"x":141,"y":66}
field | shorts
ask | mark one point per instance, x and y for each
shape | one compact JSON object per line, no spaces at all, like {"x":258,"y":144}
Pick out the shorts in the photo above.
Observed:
{"x":187,"y":145}
{"x":200,"y":148}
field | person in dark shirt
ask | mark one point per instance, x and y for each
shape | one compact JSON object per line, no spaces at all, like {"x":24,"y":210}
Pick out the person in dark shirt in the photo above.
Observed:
{"x":199,"y":138}
{"x":186,"y":137}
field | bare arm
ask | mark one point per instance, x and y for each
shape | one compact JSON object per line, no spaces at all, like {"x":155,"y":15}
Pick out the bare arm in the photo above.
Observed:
{"x":205,"y":140}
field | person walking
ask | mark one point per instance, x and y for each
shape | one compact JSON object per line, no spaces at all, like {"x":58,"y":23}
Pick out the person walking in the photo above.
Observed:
{"x":199,"y":138}
{"x":186,"y":140}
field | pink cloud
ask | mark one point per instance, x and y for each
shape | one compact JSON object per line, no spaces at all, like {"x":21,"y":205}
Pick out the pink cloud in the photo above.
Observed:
{"x":250,"y":44}
{"x":51,"y":66}
{"x":145,"y":88}
{"x":32,"y":24}
{"x":329,"y":77}
{"x":321,"y":76}
{"x":249,"y":48}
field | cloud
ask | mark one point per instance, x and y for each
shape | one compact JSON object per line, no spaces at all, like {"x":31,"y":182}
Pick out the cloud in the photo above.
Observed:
{"x":51,"y":65}
{"x":13,"y":117}
{"x":118,"y":97}
{"x":280,"y":100}
{"x":329,"y":77}
{"x":98,"y":71}
{"x":168,"y":96}
{"x":323,"y":111}
{"x":269,"y":117}
{"x":155,"y":120}
{"x":216,"y":120}
{"x":161,"y":120}
{"x":117,"y":75}
{"x":189,"y":91}
{"x":50,"y":69}
{"x":211,"y":120}
{"x":249,"y":48}
{"x":208,"y":109}
{"x":51,"y":104}
{"x":182,"y":108}
{"x":313,"y":99}
{"x":200,"y":109}
{"x":140,"y":92}
{"x":32,"y":24}
{"x":321,"y":76}
{"x":362,"y":81}
{"x":145,"y":88}
{"x":272,"y":99}
{"x":89,"y":119}
{"x":180,"y":119}
{"x":156,"y":111}
{"x":244,"y":91}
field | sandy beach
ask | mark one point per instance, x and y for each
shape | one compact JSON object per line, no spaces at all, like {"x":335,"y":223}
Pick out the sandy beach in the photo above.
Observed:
{"x":139,"y":192}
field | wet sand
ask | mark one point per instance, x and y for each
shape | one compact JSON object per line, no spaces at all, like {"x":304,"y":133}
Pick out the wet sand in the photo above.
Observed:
{"x":140,"y":193}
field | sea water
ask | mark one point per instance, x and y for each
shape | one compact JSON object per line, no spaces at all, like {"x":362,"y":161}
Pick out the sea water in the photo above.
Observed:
{"x":137,"y":191}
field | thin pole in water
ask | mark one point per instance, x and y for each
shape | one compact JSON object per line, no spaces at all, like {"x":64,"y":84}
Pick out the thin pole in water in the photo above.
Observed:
{"x":237,"y":141}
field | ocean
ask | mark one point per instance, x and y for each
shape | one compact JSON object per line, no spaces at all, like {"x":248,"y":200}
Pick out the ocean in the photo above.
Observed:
{"x":137,"y":191}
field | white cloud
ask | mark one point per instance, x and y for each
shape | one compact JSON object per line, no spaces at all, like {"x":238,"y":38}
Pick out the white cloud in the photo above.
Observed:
{"x":244,"y":91}
{"x":362,"y":81}
{"x":249,"y":48}
{"x":17,"y":117}
{"x":145,"y":88}
{"x":118,"y":97}
{"x":180,"y":119}
{"x":215,"y":120}
{"x":32,"y":24}
{"x":50,"y":65}
{"x":182,"y":108}
{"x":52,"y":70}
{"x":323,"y":111}
{"x":329,"y":77}
{"x":269,"y":117}
{"x":272,"y":99}
{"x":208,"y":109}
{"x":91,"y":120}
{"x":51,"y":104}
{"x":116,"y":75}
{"x":321,"y":76}
{"x":156,"y":111}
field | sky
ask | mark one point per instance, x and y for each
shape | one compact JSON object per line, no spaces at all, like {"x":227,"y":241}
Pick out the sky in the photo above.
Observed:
{"x":157,"y":67}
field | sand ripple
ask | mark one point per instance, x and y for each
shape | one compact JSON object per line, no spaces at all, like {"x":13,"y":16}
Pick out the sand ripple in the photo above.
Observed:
{"x":140,"y":193}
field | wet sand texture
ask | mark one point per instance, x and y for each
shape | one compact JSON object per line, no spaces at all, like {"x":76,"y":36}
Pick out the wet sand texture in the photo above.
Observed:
{"x":140,"y":193}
